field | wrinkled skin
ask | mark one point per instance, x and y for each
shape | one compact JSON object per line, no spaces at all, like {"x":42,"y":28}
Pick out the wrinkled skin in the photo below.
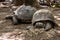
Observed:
{"x":23,"y":13}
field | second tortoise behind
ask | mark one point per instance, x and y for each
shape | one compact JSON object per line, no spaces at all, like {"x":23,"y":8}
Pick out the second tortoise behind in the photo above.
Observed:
{"x":23,"y":13}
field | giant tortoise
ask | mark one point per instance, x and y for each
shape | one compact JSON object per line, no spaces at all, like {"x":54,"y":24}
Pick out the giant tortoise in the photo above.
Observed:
{"x":23,"y":13}
{"x":43,"y":18}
